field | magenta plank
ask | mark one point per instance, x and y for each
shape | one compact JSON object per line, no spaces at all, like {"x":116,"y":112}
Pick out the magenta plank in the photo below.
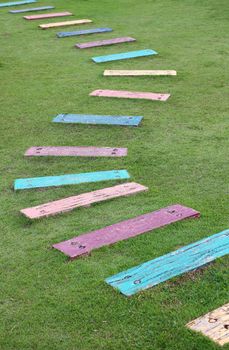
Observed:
{"x":84,"y":244}
{"x":113,"y":41}
{"x":48,"y":15}
{"x":76,"y":151}
{"x":130,"y":94}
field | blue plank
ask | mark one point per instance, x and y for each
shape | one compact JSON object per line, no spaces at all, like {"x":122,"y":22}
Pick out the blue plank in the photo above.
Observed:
{"x":15,"y":3}
{"x":124,"y":56}
{"x":70,"y":179}
{"x":173,"y":264}
{"x":83,"y":32}
{"x":98,"y":119}
{"x":32,"y":9}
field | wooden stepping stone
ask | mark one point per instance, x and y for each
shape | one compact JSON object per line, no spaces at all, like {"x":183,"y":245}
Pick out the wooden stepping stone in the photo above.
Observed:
{"x":16,"y":3}
{"x":82,"y":200}
{"x":84,"y":32}
{"x":43,"y":8}
{"x":98,"y":119}
{"x":214,"y":325}
{"x":108,"y":235}
{"x":70,"y":179}
{"x":48,"y":15}
{"x":124,"y":56}
{"x":76,"y":151}
{"x":64,"y":24}
{"x":87,"y":45}
{"x":161,"y":269}
{"x":138,"y":73}
{"x":131,"y":94}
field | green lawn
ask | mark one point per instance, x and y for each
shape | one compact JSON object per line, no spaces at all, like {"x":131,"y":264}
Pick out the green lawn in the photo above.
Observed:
{"x":180,"y":152}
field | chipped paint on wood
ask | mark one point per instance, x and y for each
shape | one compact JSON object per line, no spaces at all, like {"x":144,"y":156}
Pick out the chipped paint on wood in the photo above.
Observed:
{"x":83,"y":32}
{"x":138,"y":73}
{"x":63,"y":24}
{"x":106,"y":42}
{"x":32,"y":9}
{"x":131,"y":94}
{"x":124,"y":56}
{"x":48,"y":15}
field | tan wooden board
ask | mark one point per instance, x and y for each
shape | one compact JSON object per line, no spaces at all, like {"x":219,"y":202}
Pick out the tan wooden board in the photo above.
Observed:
{"x":135,"y":73}
{"x":66,"y":23}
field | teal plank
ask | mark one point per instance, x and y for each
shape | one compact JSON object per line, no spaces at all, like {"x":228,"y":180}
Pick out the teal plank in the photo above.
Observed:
{"x":98,"y":119}
{"x":123,"y":56}
{"x":32,"y":9}
{"x":15,"y":3}
{"x":173,"y":264}
{"x":70,"y":179}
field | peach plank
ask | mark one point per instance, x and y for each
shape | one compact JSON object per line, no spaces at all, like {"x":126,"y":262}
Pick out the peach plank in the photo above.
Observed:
{"x":106,"y":42}
{"x":48,"y":15}
{"x":63,"y":24}
{"x":135,"y":73}
{"x":131,"y":94}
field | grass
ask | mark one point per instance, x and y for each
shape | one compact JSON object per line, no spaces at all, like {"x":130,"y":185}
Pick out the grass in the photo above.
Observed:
{"x":180,"y":152}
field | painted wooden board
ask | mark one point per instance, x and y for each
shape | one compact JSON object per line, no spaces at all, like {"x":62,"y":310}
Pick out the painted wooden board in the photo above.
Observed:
{"x":82,"y":200}
{"x":106,"y":42}
{"x":32,"y":9}
{"x":70,"y":179}
{"x":161,"y":269}
{"x":64,"y":24}
{"x":16,"y":3}
{"x":48,"y":15}
{"x":98,"y":119}
{"x":83,"y":32}
{"x":108,"y":235}
{"x":124,"y":56}
{"x":136,"y":73}
{"x":214,"y":325}
{"x":76,"y":151}
{"x":131,"y":94}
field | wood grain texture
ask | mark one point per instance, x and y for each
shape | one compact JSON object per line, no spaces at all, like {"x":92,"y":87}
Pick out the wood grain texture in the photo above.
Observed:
{"x":33,"y":9}
{"x":138,"y":73}
{"x":64,"y":24}
{"x":84,"y":32}
{"x":124,"y":56}
{"x":161,"y":269}
{"x":106,"y":42}
{"x":131,"y":94}
{"x":214,"y":325}
{"x":17,"y":3}
{"x":48,"y":15}
{"x":84,"y":244}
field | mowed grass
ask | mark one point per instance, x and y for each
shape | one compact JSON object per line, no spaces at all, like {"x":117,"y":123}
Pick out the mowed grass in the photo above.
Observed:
{"x":180,"y":152}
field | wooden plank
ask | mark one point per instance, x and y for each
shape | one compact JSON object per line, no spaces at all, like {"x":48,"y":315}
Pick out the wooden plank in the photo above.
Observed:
{"x":137,"y":73}
{"x":17,"y":3}
{"x":214,"y":325}
{"x":131,"y":94}
{"x":106,"y":42}
{"x":82,"y":200}
{"x":70,"y":179}
{"x":84,"y":244}
{"x":76,"y":151}
{"x":33,"y":9}
{"x":124,"y":56}
{"x":84,"y":32}
{"x":161,"y":269}
{"x":64,"y":24}
{"x":48,"y":15}
{"x":98,"y":119}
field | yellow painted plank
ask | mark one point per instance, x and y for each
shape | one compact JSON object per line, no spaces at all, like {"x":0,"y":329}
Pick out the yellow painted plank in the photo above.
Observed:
{"x":138,"y":72}
{"x":63,"y":24}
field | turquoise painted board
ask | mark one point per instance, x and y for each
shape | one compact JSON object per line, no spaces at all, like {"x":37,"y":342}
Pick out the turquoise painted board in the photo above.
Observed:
{"x":98,"y":119}
{"x":124,"y":56}
{"x":32,"y":9}
{"x":70,"y":179}
{"x":15,"y":3}
{"x":173,"y":264}
{"x":83,"y":32}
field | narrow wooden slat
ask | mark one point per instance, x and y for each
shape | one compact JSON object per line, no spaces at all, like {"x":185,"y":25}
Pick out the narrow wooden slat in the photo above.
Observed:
{"x":106,"y":42}
{"x":70,"y":179}
{"x":48,"y":15}
{"x":17,"y":3}
{"x":85,"y":243}
{"x":84,"y":32}
{"x":64,"y":24}
{"x":137,"y":73}
{"x":33,"y":9}
{"x":124,"y":56}
{"x":131,"y":94}
{"x":170,"y":265}
{"x":82,"y":200}
{"x":214,"y":325}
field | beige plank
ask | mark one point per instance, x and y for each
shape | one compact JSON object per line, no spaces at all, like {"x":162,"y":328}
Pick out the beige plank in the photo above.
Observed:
{"x":135,"y":73}
{"x":66,"y":23}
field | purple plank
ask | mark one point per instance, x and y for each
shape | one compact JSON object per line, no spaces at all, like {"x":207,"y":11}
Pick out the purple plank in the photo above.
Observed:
{"x":84,"y":244}
{"x":87,"y":45}
{"x":76,"y":151}
{"x":131,"y":94}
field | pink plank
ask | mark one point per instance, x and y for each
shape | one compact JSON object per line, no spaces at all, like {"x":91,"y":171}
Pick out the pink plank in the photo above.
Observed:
{"x":82,"y":200}
{"x":48,"y":15}
{"x":76,"y":151}
{"x":84,"y":244}
{"x":105,"y":42}
{"x":131,"y":94}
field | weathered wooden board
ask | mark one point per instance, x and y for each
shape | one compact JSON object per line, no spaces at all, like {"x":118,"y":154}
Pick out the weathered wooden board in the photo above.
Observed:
{"x":214,"y":325}
{"x":124,"y":56}
{"x":137,"y":73}
{"x":131,"y":94}
{"x":70,"y":179}
{"x":76,"y":151}
{"x":82,"y":200}
{"x":98,"y":119}
{"x":161,"y":269}
{"x":106,"y":42}
{"x":16,"y":3}
{"x":84,"y":244}
{"x":48,"y":15}
{"x":84,"y":32}
{"x":33,"y":9}
{"x":64,"y":24}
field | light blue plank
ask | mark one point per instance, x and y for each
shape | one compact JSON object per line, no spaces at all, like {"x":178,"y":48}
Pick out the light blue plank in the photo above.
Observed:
{"x":173,"y":264}
{"x":83,"y":32}
{"x":15,"y":3}
{"x":98,"y":119}
{"x":70,"y":179}
{"x":124,"y":56}
{"x":32,"y":9}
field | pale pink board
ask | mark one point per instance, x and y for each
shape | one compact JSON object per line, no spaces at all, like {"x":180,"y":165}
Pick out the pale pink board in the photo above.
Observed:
{"x":76,"y":151}
{"x":131,"y":94}
{"x":48,"y":15}
{"x":87,"y":45}
{"x":82,"y":200}
{"x":84,"y":244}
